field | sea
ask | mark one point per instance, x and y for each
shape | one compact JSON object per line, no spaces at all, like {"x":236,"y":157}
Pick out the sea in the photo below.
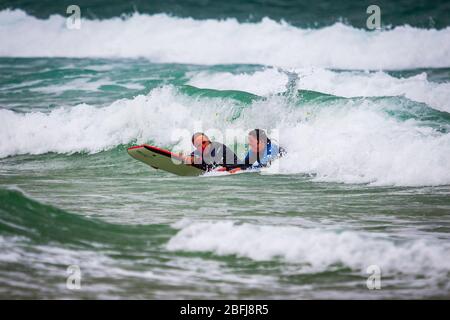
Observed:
{"x":358,"y":208}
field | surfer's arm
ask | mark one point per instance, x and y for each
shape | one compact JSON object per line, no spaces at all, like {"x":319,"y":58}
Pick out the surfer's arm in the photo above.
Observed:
{"x":188,"y":159}
{"x":194,"y":160}
{"x":247,"y":157}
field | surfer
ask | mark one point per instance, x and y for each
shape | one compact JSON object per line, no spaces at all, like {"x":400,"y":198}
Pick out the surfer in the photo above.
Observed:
{"x":262,"y":151}
{"x":211,"y":155}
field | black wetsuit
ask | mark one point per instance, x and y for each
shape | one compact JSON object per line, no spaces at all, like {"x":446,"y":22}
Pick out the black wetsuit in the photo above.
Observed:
{"x":217,"y":155}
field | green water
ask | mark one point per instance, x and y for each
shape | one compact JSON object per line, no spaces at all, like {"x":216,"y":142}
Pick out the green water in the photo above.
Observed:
{"x":363,"y":115}
{"x":116,"y":218}
{"x":302,"y":13}
{"x":120,"y":222}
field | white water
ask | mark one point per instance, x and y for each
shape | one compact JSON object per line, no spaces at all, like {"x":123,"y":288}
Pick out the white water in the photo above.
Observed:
{"x":347,"y":144}
{"x":343,"y":84}
{"x":162,"y":38}
{"x":365,"y":146}
{"x":344,"y":141}
{"x":314,"y":249}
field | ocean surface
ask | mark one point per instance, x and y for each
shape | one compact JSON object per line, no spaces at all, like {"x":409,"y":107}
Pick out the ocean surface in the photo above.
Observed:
{"x":363,"y":115}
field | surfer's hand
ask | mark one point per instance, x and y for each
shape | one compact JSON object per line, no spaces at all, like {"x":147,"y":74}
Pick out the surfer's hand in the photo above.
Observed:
{"x":192,"y":160}
{"x":188,"y":159}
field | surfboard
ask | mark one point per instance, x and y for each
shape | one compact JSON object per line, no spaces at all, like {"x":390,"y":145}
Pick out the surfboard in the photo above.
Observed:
{"x":158,"y":158}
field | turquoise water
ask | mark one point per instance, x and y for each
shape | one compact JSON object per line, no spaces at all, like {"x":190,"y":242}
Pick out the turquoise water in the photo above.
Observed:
{"x":365,"y":182}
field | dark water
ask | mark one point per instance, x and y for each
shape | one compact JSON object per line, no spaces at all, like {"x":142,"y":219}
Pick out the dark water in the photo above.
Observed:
{"x":301,"y":13}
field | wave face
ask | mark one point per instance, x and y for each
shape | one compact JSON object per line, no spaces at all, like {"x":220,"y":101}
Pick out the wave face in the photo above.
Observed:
{"x":38,"y":243}
{"x":344,"y":84}
{"x":381,"y":140}
{"x":162,"y":38}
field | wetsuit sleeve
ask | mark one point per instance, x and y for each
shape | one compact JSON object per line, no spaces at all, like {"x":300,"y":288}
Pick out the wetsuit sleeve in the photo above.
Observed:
{"x":246,"y":164}
{"x":230,"y":159}
{"x":203,"y":166}
{"x":247,"y":157}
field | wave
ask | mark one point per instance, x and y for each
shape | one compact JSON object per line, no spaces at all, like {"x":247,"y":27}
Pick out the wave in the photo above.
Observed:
{"x":382,"y":140}
{"x":22,"y":217}
{"x":358,"y":143}
{"x":38,"y":242}
{"x":344,"y":84}
{"x":238,"y":95}
{"x":27,"y":221}
{"x":315,"y":250}
{"x":86,"y":128}
{"x":297,"y":12}
{"x":162,"y":38}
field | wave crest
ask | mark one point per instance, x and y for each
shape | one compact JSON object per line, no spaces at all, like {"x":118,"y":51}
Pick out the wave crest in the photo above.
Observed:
{"x":162,"y":38}
{"x":384,"y":141}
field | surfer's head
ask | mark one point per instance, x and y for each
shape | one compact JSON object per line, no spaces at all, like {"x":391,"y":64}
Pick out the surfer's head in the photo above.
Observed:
{"x":257,"y":140}
{"x":200,"y":141}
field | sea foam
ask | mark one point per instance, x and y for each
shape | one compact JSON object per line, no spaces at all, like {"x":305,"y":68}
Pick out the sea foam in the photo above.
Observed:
{"x":345,"y":140}
{"x":313,"y":249}
{"x":339,"y":83}
{"x":163,"y":38}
